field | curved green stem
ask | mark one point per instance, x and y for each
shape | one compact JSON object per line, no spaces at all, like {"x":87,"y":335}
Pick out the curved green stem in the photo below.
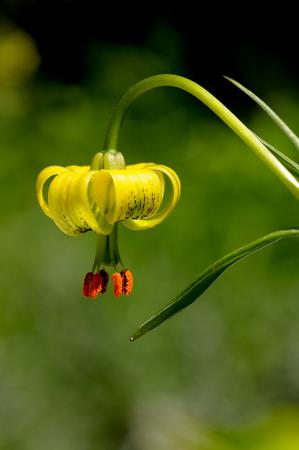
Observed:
{"x":211,"y":102}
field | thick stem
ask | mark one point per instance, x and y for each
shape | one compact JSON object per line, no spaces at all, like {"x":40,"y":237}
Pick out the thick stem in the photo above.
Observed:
{"x":211,"y":102}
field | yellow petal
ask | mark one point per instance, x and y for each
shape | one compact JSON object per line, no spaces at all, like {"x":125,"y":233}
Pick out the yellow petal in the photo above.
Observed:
{"x":80,"y":205}
{"x":78,"y":168}
{"x":139,"y":166}
{"x":80,"y":199}
{"x":143,"y":224}
{"x":124,"y":194}
{"x":58,"y":196}
{"x":69,"y":202}
{"x":42,"y":178}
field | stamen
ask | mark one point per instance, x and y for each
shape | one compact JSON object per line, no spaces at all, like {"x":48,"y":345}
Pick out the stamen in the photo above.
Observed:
{"x":118,"y":284}
{"x":127,"y":279}
{"x":89,"y":285}
{"x":95,"y":283}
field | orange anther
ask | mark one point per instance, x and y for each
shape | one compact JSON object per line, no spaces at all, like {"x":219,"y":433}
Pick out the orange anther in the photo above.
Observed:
{"x":127,"y":279}
{"x":118,"y":284}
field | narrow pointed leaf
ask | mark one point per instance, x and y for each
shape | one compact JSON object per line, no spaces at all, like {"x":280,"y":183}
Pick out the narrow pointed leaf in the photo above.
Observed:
{"x":207,"y":277}
{"x":291,"y":165}
{"x":279,"y":122}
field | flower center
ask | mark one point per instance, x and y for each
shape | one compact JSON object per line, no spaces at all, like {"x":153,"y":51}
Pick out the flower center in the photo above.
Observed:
{"x":107,"y":252}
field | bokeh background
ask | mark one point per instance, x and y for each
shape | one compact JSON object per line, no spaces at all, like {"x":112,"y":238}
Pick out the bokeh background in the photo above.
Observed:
{"x":224,"y":374}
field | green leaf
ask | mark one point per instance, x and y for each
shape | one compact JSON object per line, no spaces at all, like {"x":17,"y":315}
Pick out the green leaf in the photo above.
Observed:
{"x":207,"y":277}
{"x":291,"y":165}
{"x":279,"y":122}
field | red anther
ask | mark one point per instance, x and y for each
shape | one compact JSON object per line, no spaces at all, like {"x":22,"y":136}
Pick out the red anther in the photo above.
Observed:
{"x":96,"y":285}
{"x":127,"y":279}
{"x":104,"y":278}
{"x":91,"y":285}
{"x":87,"y":284}
{"x":118,"y":284}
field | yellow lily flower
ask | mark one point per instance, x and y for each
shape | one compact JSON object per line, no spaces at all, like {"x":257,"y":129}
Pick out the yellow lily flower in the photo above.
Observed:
{"x":97,"y":197}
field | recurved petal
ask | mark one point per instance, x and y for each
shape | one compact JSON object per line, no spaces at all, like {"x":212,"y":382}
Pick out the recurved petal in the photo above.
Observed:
{"x":140,"y":166}
{"x":143,"y":224}
{"x":124,"y":194}
{"x":78,"y":168}
{"x":80,"y":205}
{"x":71,"y":206}
{"x":58,"y":196}
{"x":42,"y":178}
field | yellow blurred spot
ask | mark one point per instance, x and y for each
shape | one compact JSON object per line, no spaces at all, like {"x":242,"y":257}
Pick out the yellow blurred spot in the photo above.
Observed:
{"x":19,"y":57}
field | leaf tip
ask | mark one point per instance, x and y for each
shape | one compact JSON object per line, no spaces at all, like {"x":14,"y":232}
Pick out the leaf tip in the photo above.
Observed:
{"x":135,"y":336}
{"x":231,"y":80}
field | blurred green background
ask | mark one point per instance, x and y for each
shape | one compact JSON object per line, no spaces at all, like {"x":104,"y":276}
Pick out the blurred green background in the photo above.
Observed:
{"x":225,"y":373}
